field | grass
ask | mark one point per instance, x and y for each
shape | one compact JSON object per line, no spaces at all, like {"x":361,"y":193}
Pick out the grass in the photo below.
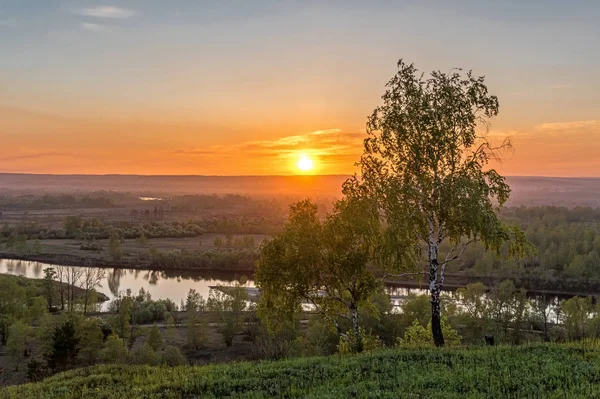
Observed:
{"x":531,"y":371}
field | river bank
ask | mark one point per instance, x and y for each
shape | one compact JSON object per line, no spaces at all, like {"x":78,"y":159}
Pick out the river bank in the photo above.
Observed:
{"x":534,"y":286}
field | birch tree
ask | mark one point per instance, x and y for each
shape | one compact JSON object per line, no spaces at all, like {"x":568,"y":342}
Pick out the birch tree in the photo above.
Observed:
{"x":425,"y":162}
{"x":91,"y":279}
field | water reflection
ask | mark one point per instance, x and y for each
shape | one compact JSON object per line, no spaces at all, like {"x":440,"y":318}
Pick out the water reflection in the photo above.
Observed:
{"x":161,"y":284}
{"x":174,"y":285}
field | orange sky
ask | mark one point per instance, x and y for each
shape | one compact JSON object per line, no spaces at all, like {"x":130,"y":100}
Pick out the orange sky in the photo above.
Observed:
{"x":246,"y":88}
{"x":61,"y":145}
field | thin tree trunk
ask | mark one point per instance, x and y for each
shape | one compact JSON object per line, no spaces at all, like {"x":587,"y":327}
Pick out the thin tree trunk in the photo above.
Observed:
{"x":436,"y":312}
{"x":358,"y":345}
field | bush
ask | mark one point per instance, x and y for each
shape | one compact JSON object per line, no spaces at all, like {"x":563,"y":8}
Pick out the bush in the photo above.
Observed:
{"x":114,"y":350}
{"x":145,"y":355}
{"x":351,"y":343}
{"x":36,"y":370}
{"x":171,"y":356}
{"x":418,"y":336}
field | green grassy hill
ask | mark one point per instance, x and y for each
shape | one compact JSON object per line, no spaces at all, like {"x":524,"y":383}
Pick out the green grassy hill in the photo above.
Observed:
{"x":534,"y":371}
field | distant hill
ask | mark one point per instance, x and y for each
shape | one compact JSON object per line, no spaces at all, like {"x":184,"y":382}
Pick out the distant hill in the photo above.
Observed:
{"x":526,"y":190}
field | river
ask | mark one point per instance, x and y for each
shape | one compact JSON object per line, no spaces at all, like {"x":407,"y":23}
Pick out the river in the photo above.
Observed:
{"x":161,"y":284}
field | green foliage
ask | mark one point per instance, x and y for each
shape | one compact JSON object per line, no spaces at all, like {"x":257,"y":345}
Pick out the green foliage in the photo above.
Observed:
{"x":64,"y":345}
{"x":272,"y":344}
{"x":115,"y":246}
{"x":37,"y":310}
{"x":90,"y":339}
{"x":426,"y":166}
{"x":155,"y":339}
{"x":196,"y":328}
{"x":418,"y":336}
{"x":36,"y":370}
{"x":171,"y":356}
{"x":145,"y":355}
{"x":49,"y":277}
{"x":36,"y":247}
{"x":530,"y":371}
{"x":576,"y":316}
{"x":321,"y":338}
{"x":229,"y":306}
{"x":115,"y":350}
{"x":121,"y":323}
{"x":363,"y":340}
{"x":213,"y":259}
{"x":142,"y":239}
{"x":418,"y":308}
{"x":327,"y":264}
{"x":16,"y":345}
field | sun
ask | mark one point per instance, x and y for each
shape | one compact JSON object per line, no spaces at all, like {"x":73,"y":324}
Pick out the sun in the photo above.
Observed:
{"x":305,"y":164}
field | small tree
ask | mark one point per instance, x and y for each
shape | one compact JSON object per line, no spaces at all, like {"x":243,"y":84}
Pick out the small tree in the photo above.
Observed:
{"x":115,"y":350}
{"x":145,"y":355}
{"x":426,"y":164}
{"x":142,"y":239}
{"x":172,"y":357}
{"x":37,"y":311}
{"x":195,"y":324}
{"x":228,"y":307}
{"x":64,"y":345}
{"x":91,"y":278}
{"x":90,"y":339}
{"x":49,"y":277}
{"x":155,"y":339}
{"x":115,"y":246}
{"x":21,"y":244}
{"x":122,"y":322}
{"x":576,"y":316}
{"x":36,"y":248}
{"x":16,"y":344}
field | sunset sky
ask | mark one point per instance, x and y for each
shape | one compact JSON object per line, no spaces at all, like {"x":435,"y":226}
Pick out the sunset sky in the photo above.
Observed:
{"x":251,"y":87}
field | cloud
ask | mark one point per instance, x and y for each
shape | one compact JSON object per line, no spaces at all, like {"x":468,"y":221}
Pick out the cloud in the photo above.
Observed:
{"x":93,"y":27}
{"x":106,"y":12}
{"x":35,"y":155}
{"x":561,"y":127}
{"x":330,"y":148}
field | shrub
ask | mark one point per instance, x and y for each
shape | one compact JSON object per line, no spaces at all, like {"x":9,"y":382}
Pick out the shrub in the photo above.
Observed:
{"x":171,"y":356}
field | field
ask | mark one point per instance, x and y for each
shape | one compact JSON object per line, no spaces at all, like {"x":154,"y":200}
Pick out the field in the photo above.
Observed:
{"x":534,"y":371}
{"x":135,"y":254}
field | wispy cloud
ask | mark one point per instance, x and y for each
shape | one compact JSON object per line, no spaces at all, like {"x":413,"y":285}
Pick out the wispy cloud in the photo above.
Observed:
{"x":564,"y":127}
{"x":93,"y":27}
{"x":330,"y":148}
{"x":106,"y":12}
{"x":34,"y":155}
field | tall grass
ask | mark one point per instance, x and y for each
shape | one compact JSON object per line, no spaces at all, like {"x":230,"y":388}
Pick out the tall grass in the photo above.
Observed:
{"x":529,"y":371}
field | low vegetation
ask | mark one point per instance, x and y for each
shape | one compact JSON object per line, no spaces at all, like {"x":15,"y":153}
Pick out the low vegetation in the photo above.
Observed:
{"x":549,"y":371}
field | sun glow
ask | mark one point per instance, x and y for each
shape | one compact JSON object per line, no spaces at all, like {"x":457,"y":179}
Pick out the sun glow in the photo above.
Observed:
{"x":305,"y":164}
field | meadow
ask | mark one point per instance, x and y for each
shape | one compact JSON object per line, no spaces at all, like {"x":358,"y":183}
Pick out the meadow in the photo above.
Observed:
{"x":529,"y":371}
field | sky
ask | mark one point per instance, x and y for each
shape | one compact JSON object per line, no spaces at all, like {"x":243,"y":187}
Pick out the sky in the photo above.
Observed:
{"x":250,"y":87}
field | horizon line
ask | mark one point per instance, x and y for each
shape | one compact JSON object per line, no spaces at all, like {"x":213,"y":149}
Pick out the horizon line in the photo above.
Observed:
{"x":225,"y":176}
